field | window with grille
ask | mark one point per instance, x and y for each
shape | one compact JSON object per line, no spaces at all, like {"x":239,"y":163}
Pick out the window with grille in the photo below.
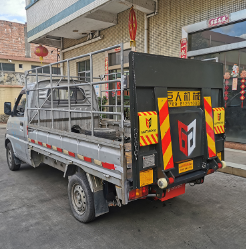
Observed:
{"x":61,"y":94}
{"x":46,"y":70}
{"x":84,"y":70}
{"x":7,"y":67}
{"x":114,"y":58}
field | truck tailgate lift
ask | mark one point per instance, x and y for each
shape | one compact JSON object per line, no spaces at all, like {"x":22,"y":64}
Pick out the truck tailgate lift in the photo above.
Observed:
{"x":152,"y":78}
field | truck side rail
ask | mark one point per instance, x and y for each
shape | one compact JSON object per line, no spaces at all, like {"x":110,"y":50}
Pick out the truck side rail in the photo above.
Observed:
{"x":92,"y":153}
{"x":68,"y":78}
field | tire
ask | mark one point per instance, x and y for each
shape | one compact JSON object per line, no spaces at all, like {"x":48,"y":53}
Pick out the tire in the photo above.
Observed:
{"x":81,"y":198}
{"x":10,"y":158}
{"x":103,"y":133}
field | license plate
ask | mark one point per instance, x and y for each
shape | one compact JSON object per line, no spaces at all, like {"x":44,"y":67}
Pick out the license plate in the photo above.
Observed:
{"x":148,"y":161}
{"x":183,"y":98}
{"x":185,"y":166}
{"x":146,"y":177}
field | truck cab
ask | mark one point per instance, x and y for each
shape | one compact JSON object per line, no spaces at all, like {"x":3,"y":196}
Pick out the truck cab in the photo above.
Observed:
{"x":16,"y":134}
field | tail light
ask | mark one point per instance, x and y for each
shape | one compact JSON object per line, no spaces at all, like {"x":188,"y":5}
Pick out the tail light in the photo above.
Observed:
{"x":171,"y":180}
{"x":138,"y":193}
{"x":220,"y":165}
{"x":210,"y":171}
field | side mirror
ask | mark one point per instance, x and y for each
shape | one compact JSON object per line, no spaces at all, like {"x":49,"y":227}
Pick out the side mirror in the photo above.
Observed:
{"x":7,"y":108}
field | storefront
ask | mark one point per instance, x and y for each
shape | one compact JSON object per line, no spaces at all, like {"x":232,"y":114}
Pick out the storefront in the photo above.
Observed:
{"x":223,"y":39}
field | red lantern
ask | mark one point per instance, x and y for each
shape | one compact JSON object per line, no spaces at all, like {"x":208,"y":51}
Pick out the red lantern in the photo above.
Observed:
{"x":132,"y":24}
{"x":41,"y":52}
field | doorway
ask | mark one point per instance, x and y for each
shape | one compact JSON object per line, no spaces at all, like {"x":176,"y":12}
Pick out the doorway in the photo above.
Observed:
{"x":235,"y":111}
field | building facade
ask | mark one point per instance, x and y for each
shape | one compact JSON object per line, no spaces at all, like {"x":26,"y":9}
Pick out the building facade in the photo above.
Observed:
{"x":16,"y":56}
{"x":210,"y":27}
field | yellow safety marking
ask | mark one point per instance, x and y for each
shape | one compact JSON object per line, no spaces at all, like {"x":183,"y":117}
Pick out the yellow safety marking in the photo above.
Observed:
{"x":165,"y":126}
{"x":209,"y":120}
{"x":97,"y":162}
{"x":65,"y":152}
{"x":219,"y":155}
{"x":80,"y":157}
{"x":183,"y":98}
{"x":146,"y":113}
{"x":166,"y":141}
{"x":219,"y":120}
{"x":161,"y":102}
{"x":146,"y":177}
{"x":211,"y":144}
{"x":148,"y":128}
{"x":168,"y":153}
{"x":209,"y":127}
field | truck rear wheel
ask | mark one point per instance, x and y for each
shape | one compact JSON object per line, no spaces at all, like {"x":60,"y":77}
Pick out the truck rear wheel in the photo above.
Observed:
{"x":81,"y":198}
{"x":10,"y":158}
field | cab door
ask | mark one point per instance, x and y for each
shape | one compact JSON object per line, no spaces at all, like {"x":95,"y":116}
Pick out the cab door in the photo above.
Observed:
{"x":16,"y":123}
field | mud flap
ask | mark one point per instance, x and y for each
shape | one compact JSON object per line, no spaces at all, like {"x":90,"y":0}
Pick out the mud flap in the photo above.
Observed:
{"x":100,"y":203}
{"x":17,"y":160}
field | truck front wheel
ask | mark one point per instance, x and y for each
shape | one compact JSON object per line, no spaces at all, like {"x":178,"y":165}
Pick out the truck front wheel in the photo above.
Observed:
{"x":81,"y":198}
{"x":10,"y":158}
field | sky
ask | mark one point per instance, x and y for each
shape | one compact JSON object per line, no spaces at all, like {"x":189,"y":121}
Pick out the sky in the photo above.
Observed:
{"x":236,"y":29}
{"x":13,"y":10}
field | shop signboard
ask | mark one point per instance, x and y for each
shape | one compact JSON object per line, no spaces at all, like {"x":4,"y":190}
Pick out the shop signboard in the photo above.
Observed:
{"x":183,"y":48}
{"x":218,"y":20}
{"x":117,"y":49}
{"x":234,"y":84}
{"x":97,"y":90}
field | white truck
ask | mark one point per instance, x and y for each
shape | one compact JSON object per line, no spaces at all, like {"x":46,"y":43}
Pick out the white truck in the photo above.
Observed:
{"x":110,"y":158}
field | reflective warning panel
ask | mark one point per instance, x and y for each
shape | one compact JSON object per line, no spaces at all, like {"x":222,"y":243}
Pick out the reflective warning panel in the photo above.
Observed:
{"x":183,"y":98}
{"x":148,"y":128}
{"x":219,"y":120}
{"x":209,"y":126}
{"x":146,"y":177}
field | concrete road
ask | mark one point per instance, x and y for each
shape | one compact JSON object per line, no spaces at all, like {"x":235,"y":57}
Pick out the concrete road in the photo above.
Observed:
{"x":34,"y":213}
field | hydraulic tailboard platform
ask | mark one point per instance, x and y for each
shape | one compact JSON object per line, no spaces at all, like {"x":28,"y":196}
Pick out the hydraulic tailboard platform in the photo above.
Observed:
{"x":172,"y":119}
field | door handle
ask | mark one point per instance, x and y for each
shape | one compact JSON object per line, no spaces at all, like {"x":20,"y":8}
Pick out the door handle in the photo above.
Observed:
{"x":21,"y":123}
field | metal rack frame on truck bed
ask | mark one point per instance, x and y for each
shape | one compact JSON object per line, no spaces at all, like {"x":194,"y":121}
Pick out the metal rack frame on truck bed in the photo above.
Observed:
{"x":97,"y":156}
{"x":110,"y":159}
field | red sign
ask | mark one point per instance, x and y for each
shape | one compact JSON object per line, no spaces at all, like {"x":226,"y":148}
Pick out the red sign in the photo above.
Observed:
{"x":118,"y":88}
{"x":132,"y":25}
{"x":106,"y":77}
{"x":183,"y":46}
{"x":148,"y":123}
{"x":218,"y":21}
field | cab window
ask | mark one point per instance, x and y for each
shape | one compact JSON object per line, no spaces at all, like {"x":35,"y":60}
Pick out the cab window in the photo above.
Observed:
{"x":20,"y":105}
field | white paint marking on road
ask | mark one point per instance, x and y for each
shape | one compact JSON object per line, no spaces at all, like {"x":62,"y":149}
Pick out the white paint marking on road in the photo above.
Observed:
{"x":236,"y":165}
{"x":232,"y":150}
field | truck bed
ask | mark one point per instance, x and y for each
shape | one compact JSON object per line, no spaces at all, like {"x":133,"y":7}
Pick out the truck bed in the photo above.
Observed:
{"x":102,"y":157}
